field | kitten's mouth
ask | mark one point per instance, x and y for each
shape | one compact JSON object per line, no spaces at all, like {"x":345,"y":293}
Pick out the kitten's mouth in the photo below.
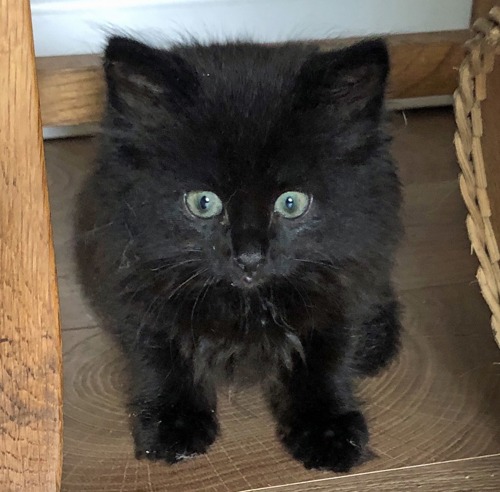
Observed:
{"x":247,"y":281}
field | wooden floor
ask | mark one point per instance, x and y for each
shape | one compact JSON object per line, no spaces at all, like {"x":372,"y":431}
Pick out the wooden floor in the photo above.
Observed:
{"x":435,"y":415}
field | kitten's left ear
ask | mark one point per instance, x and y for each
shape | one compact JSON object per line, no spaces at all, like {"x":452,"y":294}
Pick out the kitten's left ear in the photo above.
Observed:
{"x":352,"y":79}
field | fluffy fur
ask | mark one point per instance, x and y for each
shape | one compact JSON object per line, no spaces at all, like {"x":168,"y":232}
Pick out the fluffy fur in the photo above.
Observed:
{"x":247,"y":122}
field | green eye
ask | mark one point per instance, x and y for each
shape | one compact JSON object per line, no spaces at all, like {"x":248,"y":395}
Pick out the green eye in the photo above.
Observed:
{"x":203,"y":204}
{"x":291,"y":204}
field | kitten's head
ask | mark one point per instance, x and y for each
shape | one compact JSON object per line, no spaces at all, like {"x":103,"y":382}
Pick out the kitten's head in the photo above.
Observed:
{"x":246,"y":163}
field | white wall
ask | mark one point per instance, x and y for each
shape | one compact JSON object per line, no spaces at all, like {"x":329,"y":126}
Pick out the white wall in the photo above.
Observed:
{"x":79,"y":26}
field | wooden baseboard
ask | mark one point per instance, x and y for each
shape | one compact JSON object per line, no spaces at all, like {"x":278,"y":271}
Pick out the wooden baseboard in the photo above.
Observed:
{"x":72,"y":87}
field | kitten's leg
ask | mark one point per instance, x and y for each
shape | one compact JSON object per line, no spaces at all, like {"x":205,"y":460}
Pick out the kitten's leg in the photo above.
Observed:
{"x":173,"y":416}
{"x":319,"y":420}
{"x":379,"y":340}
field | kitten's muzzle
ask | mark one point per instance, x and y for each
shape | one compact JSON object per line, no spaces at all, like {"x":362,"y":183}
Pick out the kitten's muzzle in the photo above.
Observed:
{"x":250,"y":263}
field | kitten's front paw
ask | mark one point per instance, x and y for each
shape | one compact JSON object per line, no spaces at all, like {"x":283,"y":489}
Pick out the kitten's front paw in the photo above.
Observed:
{"x":337,"y":443}
{"x":173,"y":438}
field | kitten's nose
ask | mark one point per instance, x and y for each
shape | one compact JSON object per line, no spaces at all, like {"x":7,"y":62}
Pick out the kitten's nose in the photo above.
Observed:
{"x":249,"y":262}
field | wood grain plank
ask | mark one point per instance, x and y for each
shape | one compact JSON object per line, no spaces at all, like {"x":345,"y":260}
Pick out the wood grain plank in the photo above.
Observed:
{"x":69,"y":162}
{"x":469,"y":475}
{"x":438,"y":402}
{"x":423,"y":146}
{"x":420,"y":261}
{"x":72,"y":87}
{"x":30,"y":345}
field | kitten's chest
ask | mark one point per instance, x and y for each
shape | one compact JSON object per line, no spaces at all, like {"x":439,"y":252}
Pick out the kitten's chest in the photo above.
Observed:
{"x":248,"y":358}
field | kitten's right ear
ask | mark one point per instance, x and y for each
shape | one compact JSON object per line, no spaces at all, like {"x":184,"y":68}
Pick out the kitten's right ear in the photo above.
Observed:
{"x":139,"y":76}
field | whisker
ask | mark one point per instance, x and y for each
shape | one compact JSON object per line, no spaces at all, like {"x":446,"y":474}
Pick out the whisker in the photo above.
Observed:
{"x":308,"y":306}
{"x":148,"y":282}
{"x":324,"y":264}
{"x":210,"y":284}
{"x":275,"y":314}
{"x":169,"y":266}
{"x":142,"y":323}
{"x":88,"y":232}
{"x":186,"y":282}
{"x":193,"y":310}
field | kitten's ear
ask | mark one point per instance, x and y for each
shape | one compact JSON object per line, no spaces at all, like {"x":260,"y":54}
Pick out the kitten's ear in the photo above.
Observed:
{"x":139,"y":76}
{"x":352,"y":79}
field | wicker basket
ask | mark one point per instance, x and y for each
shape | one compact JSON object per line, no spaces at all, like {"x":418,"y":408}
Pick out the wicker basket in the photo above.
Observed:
{"x":477,"y":142}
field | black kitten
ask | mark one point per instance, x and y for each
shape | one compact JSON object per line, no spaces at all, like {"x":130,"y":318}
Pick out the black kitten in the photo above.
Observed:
{"x":242,"y":222}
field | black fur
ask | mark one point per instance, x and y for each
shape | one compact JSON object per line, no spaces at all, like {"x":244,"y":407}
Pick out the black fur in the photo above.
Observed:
{"x":247,"y":122}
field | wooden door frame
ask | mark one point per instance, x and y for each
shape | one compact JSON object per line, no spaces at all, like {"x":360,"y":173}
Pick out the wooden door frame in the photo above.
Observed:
{"x":30,"y":341}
